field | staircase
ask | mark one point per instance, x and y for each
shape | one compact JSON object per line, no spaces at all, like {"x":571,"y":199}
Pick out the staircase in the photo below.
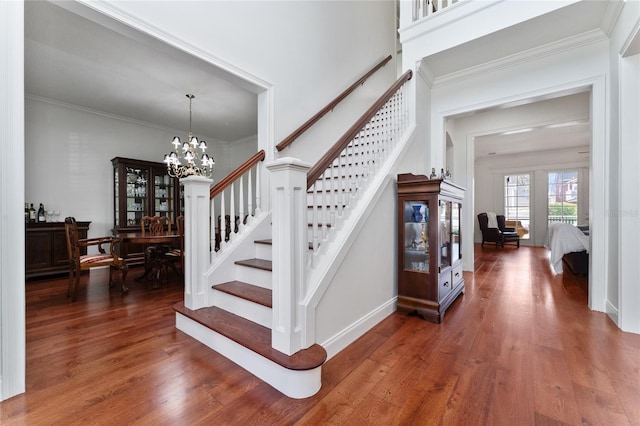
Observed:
{"x":253,"y":301}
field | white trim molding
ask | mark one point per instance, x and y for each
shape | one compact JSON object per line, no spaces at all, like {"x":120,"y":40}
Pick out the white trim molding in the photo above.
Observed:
{"x":12,"y":278}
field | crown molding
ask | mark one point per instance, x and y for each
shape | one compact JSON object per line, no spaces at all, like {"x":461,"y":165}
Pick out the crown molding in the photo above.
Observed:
{"x":630,"y":46}
{"x":425,"y":72}
{"x":569,"y":43}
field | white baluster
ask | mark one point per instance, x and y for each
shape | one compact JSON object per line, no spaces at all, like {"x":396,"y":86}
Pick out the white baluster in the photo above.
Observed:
{"x":232,"y":213}
{"x":258,"y":209}
{"x":250,"y":194}
{"x":325,"y":202}
{"x":314,"y":219}
{"x":333,"y":195}
{"x":212,"y":226}
{"x":223,"y":223}
{"x":241,"y":203}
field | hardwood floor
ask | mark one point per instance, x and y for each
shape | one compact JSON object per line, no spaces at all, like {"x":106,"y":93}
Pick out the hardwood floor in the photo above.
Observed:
{"x":520,"y":347}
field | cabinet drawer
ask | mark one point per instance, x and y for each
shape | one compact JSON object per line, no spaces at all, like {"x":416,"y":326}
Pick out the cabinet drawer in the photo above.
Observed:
{"x":444,"y":285}
{"x":456,"y":274}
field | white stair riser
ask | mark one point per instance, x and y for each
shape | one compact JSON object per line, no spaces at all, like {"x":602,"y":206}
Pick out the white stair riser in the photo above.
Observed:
{"x":252,"y":311}
{"x":292,"y":383}
{"x":254,"y":276}
{"x":263,"y":251}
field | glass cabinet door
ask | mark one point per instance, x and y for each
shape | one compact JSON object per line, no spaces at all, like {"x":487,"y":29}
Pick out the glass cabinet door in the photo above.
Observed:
{"x":137,"y":187}
{"x":444,"y":230}
{"x":456,"y":253}
{"x":163,"y":195}
{"x":416,"y":236}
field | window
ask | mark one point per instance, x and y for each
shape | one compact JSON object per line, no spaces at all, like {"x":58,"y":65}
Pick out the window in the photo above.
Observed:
{"x":563,"y":197}
{"x":516,"y":203}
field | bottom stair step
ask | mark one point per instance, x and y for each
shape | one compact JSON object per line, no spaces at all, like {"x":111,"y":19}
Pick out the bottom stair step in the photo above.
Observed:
{"x":253,"y":336}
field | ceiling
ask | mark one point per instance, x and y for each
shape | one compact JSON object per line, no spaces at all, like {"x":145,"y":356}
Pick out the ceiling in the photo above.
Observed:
{"x":74,"y":60}
{"x":113,"y":69}
{"x":575,"y":19}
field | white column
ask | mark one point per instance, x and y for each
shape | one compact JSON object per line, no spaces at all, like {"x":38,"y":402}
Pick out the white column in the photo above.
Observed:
{"x":12,"y":298}
{"x":288,"y":206}
{"x":196,"y":240}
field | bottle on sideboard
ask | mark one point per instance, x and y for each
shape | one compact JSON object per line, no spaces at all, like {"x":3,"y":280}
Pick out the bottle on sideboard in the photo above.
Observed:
{"x":32,"y":213}
{"x":433,"y":173}
{"x":41,"y":216}
{"x":26,"y":212}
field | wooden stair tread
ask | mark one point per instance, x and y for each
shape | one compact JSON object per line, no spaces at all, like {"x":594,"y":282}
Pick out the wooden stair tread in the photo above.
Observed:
{"x":255,"y":263}
{"x":253,"y":336}
{"x":250,"y":292}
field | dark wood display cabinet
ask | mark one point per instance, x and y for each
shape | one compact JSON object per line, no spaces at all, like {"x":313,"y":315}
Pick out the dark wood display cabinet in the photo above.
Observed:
{"x":142,"y":188}
{"x":429,"y":254}
{"x":46,"y":248}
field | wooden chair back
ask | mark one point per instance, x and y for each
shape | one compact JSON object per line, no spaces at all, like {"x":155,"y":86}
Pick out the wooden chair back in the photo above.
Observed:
{"x":155,"y":225}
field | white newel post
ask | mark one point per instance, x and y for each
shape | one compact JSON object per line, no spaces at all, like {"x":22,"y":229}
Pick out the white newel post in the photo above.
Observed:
{"x":196,"y":240}
{"x":289,"y":226}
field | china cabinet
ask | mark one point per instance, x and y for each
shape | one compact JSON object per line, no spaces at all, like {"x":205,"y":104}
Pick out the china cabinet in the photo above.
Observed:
{"x":142,"y":188}
{"x":429,"y":254}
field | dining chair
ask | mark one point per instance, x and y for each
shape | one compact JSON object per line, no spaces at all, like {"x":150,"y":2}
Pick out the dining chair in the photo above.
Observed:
{"x":81,"y":262}
{"x":154,"y":254}
{"x":176,"y":254}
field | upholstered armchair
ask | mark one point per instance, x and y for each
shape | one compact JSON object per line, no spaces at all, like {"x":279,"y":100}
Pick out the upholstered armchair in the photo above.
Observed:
{"x":500,"y":235}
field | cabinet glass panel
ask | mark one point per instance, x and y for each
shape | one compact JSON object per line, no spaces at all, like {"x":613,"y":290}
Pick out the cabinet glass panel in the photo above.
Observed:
{"x":445,"y":234}
{"x":116,"y":189}
{"x":456,"y":254}
{"x":416,"y":238}
{"x":137,"y":182}
{"x":163,"y":195}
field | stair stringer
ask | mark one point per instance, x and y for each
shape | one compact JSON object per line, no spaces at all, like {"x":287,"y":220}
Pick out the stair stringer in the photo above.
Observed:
{"x":328,"y":260}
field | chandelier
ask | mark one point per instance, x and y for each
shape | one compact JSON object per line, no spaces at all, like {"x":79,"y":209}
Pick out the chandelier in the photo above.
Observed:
{"x":183,"y":160}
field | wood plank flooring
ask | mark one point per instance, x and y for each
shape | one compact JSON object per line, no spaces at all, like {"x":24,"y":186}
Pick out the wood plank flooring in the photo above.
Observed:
{"x":520,"y":347}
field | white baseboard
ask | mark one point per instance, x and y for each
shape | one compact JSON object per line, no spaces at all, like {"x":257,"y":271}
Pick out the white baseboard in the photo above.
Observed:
{"x":350,"y":334}
{"x":612,"y":312}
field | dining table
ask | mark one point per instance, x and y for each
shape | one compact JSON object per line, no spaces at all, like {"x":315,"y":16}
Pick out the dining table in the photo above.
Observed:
{"x":160,"y":243}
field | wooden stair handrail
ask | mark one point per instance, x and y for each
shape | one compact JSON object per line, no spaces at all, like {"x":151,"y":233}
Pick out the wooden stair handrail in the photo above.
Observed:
{"x":323,"y":164}
{"x":231,"y":177}
{"x":310,"y":122}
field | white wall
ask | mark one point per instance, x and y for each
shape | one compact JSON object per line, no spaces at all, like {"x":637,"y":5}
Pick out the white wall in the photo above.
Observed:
{"x":68,"y":152}
{"x":366,"y":280}
{"x":623,"y":292}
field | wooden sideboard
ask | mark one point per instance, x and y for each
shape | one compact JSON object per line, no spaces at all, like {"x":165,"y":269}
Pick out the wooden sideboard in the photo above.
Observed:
{"x":46,"y":248}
